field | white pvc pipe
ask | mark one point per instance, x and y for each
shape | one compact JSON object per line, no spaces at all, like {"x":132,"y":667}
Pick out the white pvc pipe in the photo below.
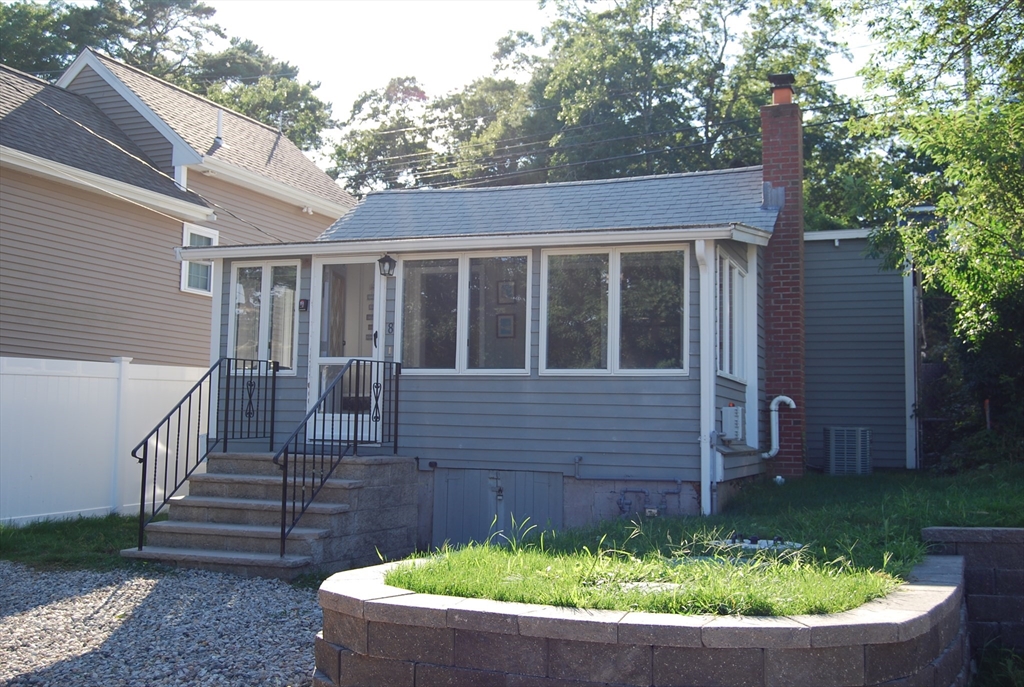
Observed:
{"x":775,"y":423}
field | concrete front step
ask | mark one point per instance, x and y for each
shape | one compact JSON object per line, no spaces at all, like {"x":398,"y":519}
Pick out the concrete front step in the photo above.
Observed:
{"x":242,"y":464}
{"x":225,"y":509}
{"x":304,"y":541}
{"x":268,"y":487}
{"x":241,"y":563}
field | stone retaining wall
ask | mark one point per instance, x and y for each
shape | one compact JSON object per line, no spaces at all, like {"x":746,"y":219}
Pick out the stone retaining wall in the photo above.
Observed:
{"x":994,"y":580}
{"x":374,"y":634}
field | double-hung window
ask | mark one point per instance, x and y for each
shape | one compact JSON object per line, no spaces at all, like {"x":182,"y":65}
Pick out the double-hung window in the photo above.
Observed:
{"x":197,"y":277}
{"x":729,"y":315}
{"x":465,"y":313}
{"x":618,"y":310}
{"x":264,"y":312}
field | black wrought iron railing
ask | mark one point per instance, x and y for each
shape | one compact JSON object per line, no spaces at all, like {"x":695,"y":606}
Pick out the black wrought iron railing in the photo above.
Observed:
{"x":234,"y":400}
{"x":358,"y":407}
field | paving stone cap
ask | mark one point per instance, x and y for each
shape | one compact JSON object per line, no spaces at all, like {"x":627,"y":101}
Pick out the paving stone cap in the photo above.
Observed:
{"x":1003,"y":535}
{"x":932,"y":592}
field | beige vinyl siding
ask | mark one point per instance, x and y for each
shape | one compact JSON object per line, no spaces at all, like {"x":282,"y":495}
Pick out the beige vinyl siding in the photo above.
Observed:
{"x":86,"y":276}
{"x":127,"y":118}
{"x":276,"y":220}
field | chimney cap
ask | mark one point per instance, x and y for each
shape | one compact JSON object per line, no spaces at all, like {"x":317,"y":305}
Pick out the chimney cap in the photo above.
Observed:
{"x":781,"y":80}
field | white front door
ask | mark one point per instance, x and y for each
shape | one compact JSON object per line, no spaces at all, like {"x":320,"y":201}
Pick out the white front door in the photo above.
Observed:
{"x":345,"y":325}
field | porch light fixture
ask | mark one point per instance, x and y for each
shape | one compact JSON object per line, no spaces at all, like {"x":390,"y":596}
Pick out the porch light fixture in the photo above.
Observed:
{"x":387,"y":266}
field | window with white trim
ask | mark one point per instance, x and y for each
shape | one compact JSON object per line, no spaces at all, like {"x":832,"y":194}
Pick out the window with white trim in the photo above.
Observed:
{"x":264,"y":318}
{"x":197,"y":277}
{"x":729,"y":315}
{"x":465,"y":313}
{"x":634,"y":323}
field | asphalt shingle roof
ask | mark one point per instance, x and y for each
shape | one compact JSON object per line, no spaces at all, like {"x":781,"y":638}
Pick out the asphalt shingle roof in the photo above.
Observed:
{"x":40,"y":119}
{"x":696,"y":199}
{"x":249,"y":144}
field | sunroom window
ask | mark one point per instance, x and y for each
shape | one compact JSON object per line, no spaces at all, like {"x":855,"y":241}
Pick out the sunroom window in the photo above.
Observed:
{"x":729,"y":313}
{"x":465,"y":313}
{"x":265,"y":313}
{"x":634,"y":323}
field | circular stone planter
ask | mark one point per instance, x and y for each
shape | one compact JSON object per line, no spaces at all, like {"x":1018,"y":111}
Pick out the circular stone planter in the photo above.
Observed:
{"x":375,"y":634}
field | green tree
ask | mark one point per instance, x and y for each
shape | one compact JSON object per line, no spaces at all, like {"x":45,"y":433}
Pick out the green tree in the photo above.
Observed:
{"x":385,"y":144}
{"x":43,"y":39}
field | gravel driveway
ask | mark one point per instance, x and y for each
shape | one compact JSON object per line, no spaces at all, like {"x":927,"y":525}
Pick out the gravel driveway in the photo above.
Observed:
{"x":153,"y":629}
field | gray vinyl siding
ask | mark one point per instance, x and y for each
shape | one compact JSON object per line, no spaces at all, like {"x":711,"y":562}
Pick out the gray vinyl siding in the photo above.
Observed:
{"x":86,"y":276}
{"x":127,"y":118}
{"x":855,"y":350}
{"x":624,"y":427}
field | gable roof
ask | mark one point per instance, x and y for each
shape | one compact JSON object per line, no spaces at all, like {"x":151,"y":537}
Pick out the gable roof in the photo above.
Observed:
{"x":51,"y":123}
{"x":676,"y":201}
{"x":249,"y":145}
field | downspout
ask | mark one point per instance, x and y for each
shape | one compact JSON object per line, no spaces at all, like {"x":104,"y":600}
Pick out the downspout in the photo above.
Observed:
{"x":708,"y":481}
{"x":775,"y":424}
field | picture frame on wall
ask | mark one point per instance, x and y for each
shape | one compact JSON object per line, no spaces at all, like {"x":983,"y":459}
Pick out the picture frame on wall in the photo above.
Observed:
{"x":506,"y":327}
{"x":506,"y":292}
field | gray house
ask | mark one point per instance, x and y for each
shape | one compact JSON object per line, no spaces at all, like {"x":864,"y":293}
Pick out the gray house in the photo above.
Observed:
{"x":569,"y":352}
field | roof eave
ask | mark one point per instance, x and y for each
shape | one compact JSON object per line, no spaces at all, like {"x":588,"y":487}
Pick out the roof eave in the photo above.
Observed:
{"x":730,"y":231}
{"x":275,"y":189}
{"x":41,"y":167}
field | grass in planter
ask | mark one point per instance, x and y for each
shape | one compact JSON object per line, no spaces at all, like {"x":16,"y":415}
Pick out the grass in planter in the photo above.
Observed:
{"x":718,"y":581}
{"x":855,"y":528}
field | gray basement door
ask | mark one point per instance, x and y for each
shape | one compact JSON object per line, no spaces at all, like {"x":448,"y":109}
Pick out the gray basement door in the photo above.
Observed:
{"x":471,"y":505}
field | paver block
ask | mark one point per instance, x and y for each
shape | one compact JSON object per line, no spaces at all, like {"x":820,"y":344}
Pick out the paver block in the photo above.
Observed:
{"x":980,"y":581}
{"x":727,"y":632}
{"x":364,"y":671}
{"x":427,"y":644}
{"x":484,"y":615}
{"x":938,"y":570}
{"x":537,"y":681}
{"x":840,"y":666}
{"x":1008,"y":582}
{"x":421,"y":610}
{"x":327,"y":656}
{"x":1005,"y":556}
{"x":685,"y":667}
{"x":984,"y":608}
{"x":859,"y":626}
{"x":890,"y":661}
{"x":956,"y":534}
{"x":428,"y":675}
{"x":1007,"y":535}
{"x":348,"y":595}
{"x":1012,"y":635}
{"x":571,"y":623}
{"x":504,"y":652}
{"x":627,"y":664}
{"x":320,"y":679}
{"x":345,"y":630}
{"x":949,"y":663}
{"x":662,"y":629}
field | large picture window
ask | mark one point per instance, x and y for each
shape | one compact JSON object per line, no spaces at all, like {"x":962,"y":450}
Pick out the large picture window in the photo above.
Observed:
{"x":635,"y":322}
{"x":729,"y":314}
{"x":264,"y":313}
{"x":465,"y":313}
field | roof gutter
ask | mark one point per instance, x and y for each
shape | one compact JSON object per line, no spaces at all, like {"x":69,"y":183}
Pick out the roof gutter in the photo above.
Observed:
{"x":736,"y":232}
{"x":275,"y":189}
{"x":41,"y":167}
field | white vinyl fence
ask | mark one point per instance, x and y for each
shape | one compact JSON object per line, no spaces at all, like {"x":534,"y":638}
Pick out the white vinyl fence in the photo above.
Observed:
{"x":67,"y":429}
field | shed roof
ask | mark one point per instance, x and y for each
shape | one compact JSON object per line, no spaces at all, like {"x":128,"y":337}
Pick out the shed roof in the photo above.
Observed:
{"x":57,"y":125}
{"x":698,"y":199}
{"x":249,"y":144}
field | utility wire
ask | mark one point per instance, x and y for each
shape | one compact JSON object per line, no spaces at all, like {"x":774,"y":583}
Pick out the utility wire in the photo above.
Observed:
{"x":32,"y":98}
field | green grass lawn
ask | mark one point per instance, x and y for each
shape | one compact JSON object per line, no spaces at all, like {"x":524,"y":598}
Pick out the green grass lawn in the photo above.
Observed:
{"x":74,"y":543}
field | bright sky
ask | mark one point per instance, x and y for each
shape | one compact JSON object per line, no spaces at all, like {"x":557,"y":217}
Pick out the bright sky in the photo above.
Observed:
{"x":352,"y":46}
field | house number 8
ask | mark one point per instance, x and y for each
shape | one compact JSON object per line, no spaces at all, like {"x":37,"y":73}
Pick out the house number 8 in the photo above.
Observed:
{"x":391,"y":327}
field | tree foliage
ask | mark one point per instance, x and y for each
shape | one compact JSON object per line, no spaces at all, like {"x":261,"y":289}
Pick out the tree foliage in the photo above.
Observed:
{"x":168,"y":39}
{"x":632,"y":87}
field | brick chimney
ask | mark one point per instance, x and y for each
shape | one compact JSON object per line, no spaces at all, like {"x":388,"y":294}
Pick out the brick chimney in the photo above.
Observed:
{"x":782,"y":159}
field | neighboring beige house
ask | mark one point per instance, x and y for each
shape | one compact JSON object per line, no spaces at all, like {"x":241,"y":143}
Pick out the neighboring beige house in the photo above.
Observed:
{"x":101,"y":177}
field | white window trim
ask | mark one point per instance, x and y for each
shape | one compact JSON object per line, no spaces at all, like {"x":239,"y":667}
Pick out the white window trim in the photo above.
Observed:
{"x":264,"y":321}
{"x":614,"y":300}
{"x":737,"y":338}
{"x":462,"y":315}
{"x":212,"y":234}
